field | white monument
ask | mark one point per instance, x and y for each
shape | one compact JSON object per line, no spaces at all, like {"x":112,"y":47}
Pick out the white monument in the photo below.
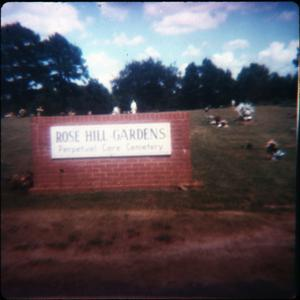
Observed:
{"x":133,"y":107}
{"x":116,"y":110}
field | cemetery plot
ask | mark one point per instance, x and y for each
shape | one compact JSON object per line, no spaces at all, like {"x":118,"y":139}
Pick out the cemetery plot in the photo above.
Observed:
{"x":233,"y":237}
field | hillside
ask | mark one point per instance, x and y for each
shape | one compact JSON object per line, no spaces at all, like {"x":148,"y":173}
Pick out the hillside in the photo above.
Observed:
{"x":233,"y":176}
{"x":232,"y":238}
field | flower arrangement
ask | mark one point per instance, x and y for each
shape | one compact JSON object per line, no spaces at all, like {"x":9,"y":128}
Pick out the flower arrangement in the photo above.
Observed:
{"x":245,"y":111}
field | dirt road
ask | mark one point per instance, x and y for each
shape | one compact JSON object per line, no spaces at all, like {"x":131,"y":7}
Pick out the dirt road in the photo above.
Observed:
{"x":97,"y":253}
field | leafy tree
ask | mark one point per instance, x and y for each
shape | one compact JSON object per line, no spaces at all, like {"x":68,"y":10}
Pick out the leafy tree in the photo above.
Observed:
{"x":296,"y":60}
{"x":97,"y":98}
{"x":65,"y":65}
{"x":20,"y":67}
{"x":291,"y":88}
{"x":253,"y":83}
{"x":47,"y":73}
{"x":216,"y":84}
{"x":64,"y":60}
{"x":150,"y":83}
{"x":282,"y":88}
{"x":191,"y":86}
{"x":36,"y":72}
{"x":277,"y":86}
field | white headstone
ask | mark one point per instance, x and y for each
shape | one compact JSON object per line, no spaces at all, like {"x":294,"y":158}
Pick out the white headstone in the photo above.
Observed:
{"x":133,"y":107}
{"x":116,"y":110}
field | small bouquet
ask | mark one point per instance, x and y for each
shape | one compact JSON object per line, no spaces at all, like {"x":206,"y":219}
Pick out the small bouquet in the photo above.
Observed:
{"x":245,"y":111}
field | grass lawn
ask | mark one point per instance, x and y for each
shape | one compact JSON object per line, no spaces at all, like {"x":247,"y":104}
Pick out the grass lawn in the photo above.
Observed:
{"x":233,"y":177}
{"x":233,"y":238}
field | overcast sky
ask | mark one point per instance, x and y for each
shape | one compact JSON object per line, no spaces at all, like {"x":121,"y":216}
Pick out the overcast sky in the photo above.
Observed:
{"x":112,"y":34}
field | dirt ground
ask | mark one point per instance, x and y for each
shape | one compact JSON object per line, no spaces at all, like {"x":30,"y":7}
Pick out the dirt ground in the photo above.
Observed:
{"x":146,"y":253}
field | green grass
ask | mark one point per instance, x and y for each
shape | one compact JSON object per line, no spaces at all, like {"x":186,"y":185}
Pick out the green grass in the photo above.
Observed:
{"x":233,"y":177}
{"x":236,"y":176}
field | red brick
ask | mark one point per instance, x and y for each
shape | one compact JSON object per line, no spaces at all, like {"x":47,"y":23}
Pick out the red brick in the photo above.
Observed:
{"x":111,"y":173}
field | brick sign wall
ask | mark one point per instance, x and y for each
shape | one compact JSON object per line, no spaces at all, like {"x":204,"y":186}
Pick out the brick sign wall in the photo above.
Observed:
{"x":159,"y":165}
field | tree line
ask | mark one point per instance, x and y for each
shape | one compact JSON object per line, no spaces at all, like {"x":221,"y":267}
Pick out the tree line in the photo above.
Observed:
{"x":52,"y":73}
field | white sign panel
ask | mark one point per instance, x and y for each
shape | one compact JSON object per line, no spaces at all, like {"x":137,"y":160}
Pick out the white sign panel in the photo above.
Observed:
{"x":142,"y":139}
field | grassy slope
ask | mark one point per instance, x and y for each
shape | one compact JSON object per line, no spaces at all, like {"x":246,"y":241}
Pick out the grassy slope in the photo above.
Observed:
{"x":233,"y":177}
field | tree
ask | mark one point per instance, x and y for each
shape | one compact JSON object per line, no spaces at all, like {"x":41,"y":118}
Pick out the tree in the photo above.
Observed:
{"x":36,"y":72}
{"x":216,"y":84}
{"x":65,"y":65}
{"x":253,"y":83}
{"x":149,"y":82}
{"x":296,"y":60}
{"x":20,"y":67}
{"x":278,"y":87}
{"x":291,"y":88}
{"x":97,"y":98}
{"x":64,"y":60}
{"x":191,"y":86}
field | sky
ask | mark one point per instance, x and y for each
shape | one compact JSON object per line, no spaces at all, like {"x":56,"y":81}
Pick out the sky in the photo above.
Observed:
{"x":113,"y":34}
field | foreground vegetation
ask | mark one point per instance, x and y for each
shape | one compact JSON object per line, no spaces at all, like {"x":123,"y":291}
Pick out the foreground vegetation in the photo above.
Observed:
{"x":233,"y":176}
